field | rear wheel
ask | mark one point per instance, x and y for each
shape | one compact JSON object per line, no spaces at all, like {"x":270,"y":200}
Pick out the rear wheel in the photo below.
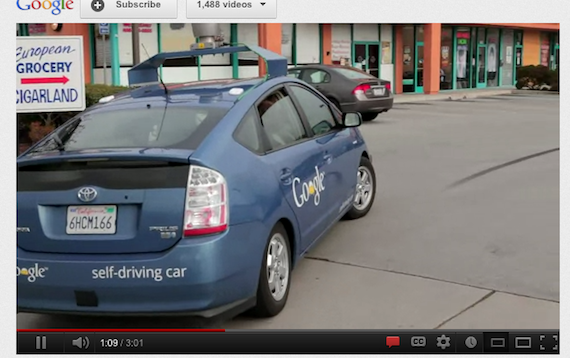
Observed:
{"x":365,"y":190}
{"x":275,"y":275}
{"x":367,"y":117}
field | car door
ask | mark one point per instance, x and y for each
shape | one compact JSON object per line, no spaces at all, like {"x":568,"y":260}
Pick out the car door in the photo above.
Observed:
{"x":339,"y":164}
{"x":296,"y":160}
{"x":320,"y":79}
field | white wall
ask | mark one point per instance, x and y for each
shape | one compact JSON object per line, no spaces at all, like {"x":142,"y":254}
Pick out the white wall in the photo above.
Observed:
{"x":308,"y":43}
{"x":365,"y":32}
{"x":387,"y":69}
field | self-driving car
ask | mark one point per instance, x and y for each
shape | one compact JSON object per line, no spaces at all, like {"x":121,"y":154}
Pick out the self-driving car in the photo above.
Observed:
{"x":196,"y":198}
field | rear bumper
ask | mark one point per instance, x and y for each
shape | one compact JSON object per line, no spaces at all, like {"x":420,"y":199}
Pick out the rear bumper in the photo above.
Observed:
{"x":369,"y":106}
{"x":200,"y":277}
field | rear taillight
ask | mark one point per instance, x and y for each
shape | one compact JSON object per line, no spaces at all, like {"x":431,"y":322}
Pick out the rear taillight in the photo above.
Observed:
{"x":206,"y":210}
{"x":388,"y":86}
{"x":361,"y":89}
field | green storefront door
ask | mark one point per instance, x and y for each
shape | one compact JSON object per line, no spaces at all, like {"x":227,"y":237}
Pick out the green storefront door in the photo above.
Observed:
{"x":419,"y":68}
{"x":556,"y":57}
{"x":481,"y":66}
{"x":366,"y":57}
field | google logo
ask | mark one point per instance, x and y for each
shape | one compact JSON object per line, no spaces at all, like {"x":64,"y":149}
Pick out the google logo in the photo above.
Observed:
{"x":56,"y":6}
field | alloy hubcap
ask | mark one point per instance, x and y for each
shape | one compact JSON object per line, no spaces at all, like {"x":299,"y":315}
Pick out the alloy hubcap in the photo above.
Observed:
{"x":277,"y":267}
{"x":364,"y":188}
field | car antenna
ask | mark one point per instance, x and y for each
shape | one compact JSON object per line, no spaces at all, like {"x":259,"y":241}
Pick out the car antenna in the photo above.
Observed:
{"x":159,"y":129}
{"x":158,"y":73}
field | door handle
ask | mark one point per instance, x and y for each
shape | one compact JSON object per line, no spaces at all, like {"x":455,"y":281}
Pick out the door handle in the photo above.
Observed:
{"x":328,"y":158}
{"x":286,"y":175}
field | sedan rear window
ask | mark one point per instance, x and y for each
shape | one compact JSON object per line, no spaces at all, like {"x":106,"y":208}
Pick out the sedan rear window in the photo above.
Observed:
{"x":353,"y":74}
{"x":141,"y":127}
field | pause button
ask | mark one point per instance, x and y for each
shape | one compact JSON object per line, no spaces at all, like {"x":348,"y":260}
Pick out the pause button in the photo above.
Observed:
{"x":41,"y":342}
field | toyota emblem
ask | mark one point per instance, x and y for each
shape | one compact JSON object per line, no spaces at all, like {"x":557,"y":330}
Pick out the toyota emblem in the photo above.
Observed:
{"x":87,"y":194}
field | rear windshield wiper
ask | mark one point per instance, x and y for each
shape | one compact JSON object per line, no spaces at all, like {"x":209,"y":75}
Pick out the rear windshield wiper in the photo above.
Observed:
{"x":58,"y":142}
{"x":58,"y":139}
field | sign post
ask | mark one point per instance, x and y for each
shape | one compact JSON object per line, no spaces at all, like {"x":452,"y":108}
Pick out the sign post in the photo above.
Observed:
{"x":50,"y":74}
{"x":104,"y":30}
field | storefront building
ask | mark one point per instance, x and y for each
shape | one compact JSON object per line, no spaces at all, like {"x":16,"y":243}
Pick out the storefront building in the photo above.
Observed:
{"x":416,"y":58}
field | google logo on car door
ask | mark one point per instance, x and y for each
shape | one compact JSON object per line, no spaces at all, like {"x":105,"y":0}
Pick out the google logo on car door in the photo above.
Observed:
{"x":56,"y":6}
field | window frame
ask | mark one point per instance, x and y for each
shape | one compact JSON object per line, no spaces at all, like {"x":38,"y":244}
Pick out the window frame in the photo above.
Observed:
{"x":334,"y":114}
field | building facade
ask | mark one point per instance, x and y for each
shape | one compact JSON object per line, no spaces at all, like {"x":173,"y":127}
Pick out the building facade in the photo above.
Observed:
{"x":416,"y":58}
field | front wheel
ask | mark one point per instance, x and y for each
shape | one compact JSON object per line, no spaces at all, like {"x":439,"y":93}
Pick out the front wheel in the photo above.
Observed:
{"x":367,"y":117}
{"x":365,"y":190}
{"x":275,"y":275}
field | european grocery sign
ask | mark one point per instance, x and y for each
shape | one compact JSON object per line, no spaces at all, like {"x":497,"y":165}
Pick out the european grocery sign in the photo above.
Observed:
{"x":50,"y":74}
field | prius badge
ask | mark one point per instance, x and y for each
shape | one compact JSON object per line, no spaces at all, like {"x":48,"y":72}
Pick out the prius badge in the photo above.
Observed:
{"x":87,"y":194}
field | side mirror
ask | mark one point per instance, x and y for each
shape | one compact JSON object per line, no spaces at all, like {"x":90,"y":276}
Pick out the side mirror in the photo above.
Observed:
{"x":353,"y":119}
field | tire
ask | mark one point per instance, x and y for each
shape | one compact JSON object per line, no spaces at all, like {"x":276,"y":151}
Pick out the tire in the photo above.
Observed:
{"x":367,"y":117}
{"x":270,"y":304}
{"x":359,"y":210}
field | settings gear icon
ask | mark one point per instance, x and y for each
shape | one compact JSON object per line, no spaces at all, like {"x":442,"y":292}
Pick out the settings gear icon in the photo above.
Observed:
{"x":443,"y":341}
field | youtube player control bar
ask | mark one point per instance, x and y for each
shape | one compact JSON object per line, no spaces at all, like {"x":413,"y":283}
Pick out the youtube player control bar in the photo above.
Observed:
{"x":286,"y":342}
{"x":168,"y":9}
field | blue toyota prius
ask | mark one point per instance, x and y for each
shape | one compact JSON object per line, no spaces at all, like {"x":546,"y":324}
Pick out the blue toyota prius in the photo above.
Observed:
{"x":196,"y":198}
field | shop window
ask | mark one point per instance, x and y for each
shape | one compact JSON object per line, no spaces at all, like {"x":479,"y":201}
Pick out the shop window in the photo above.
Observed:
{"x":463,"y":56}
{"x":518,"y":38}
{"x":180,"y":37}
{"x":247,"y":34}
{"x":419,"y":33}
{"x":341,"y":45}
{"x":37,"y":29}
{"x":409,"y":58}
{"x":287,"y":38}
{"x":493,"y":57}
{"x":446,"y":65}
{"x":177,"y":37}
{"x":481,"y":38}
{"x":545,"y":49}
{"x":148,"y":45}
{"x":507,"y":60}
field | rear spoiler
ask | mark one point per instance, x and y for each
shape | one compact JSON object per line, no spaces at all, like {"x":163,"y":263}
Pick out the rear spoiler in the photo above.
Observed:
{"x":147,"y":72}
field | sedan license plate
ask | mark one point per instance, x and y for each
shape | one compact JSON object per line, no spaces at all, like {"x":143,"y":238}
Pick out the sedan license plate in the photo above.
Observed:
{"x":91,"y":220}
{"x":379,"y":91}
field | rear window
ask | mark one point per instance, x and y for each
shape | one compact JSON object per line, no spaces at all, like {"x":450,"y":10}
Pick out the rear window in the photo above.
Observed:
{"x":353,"y":74}
{"x":154,"y":127}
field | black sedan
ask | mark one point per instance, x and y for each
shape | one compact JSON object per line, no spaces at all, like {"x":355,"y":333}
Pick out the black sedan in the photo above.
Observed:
{"x":350,"y":89}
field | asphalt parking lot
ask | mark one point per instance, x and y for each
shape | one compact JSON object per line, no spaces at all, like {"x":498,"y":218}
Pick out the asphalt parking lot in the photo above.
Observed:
{"x":464,"y":233}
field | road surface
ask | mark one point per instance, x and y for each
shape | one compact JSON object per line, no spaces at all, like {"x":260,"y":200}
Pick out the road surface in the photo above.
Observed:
{"x":464,"y":233}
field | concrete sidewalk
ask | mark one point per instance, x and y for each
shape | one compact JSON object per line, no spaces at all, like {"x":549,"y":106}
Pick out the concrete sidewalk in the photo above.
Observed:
{"x":465,"y":94}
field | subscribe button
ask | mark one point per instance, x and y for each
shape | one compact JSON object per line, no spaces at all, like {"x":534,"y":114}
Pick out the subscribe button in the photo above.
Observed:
{"x":130,"y":9}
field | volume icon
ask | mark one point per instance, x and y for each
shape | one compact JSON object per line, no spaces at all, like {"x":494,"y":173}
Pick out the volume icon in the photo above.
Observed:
{"x":81,"y":342}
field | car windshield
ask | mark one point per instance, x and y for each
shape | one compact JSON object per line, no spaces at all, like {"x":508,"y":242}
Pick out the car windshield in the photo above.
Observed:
{"x":147,"y":127}
{"x":352,"y":74}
